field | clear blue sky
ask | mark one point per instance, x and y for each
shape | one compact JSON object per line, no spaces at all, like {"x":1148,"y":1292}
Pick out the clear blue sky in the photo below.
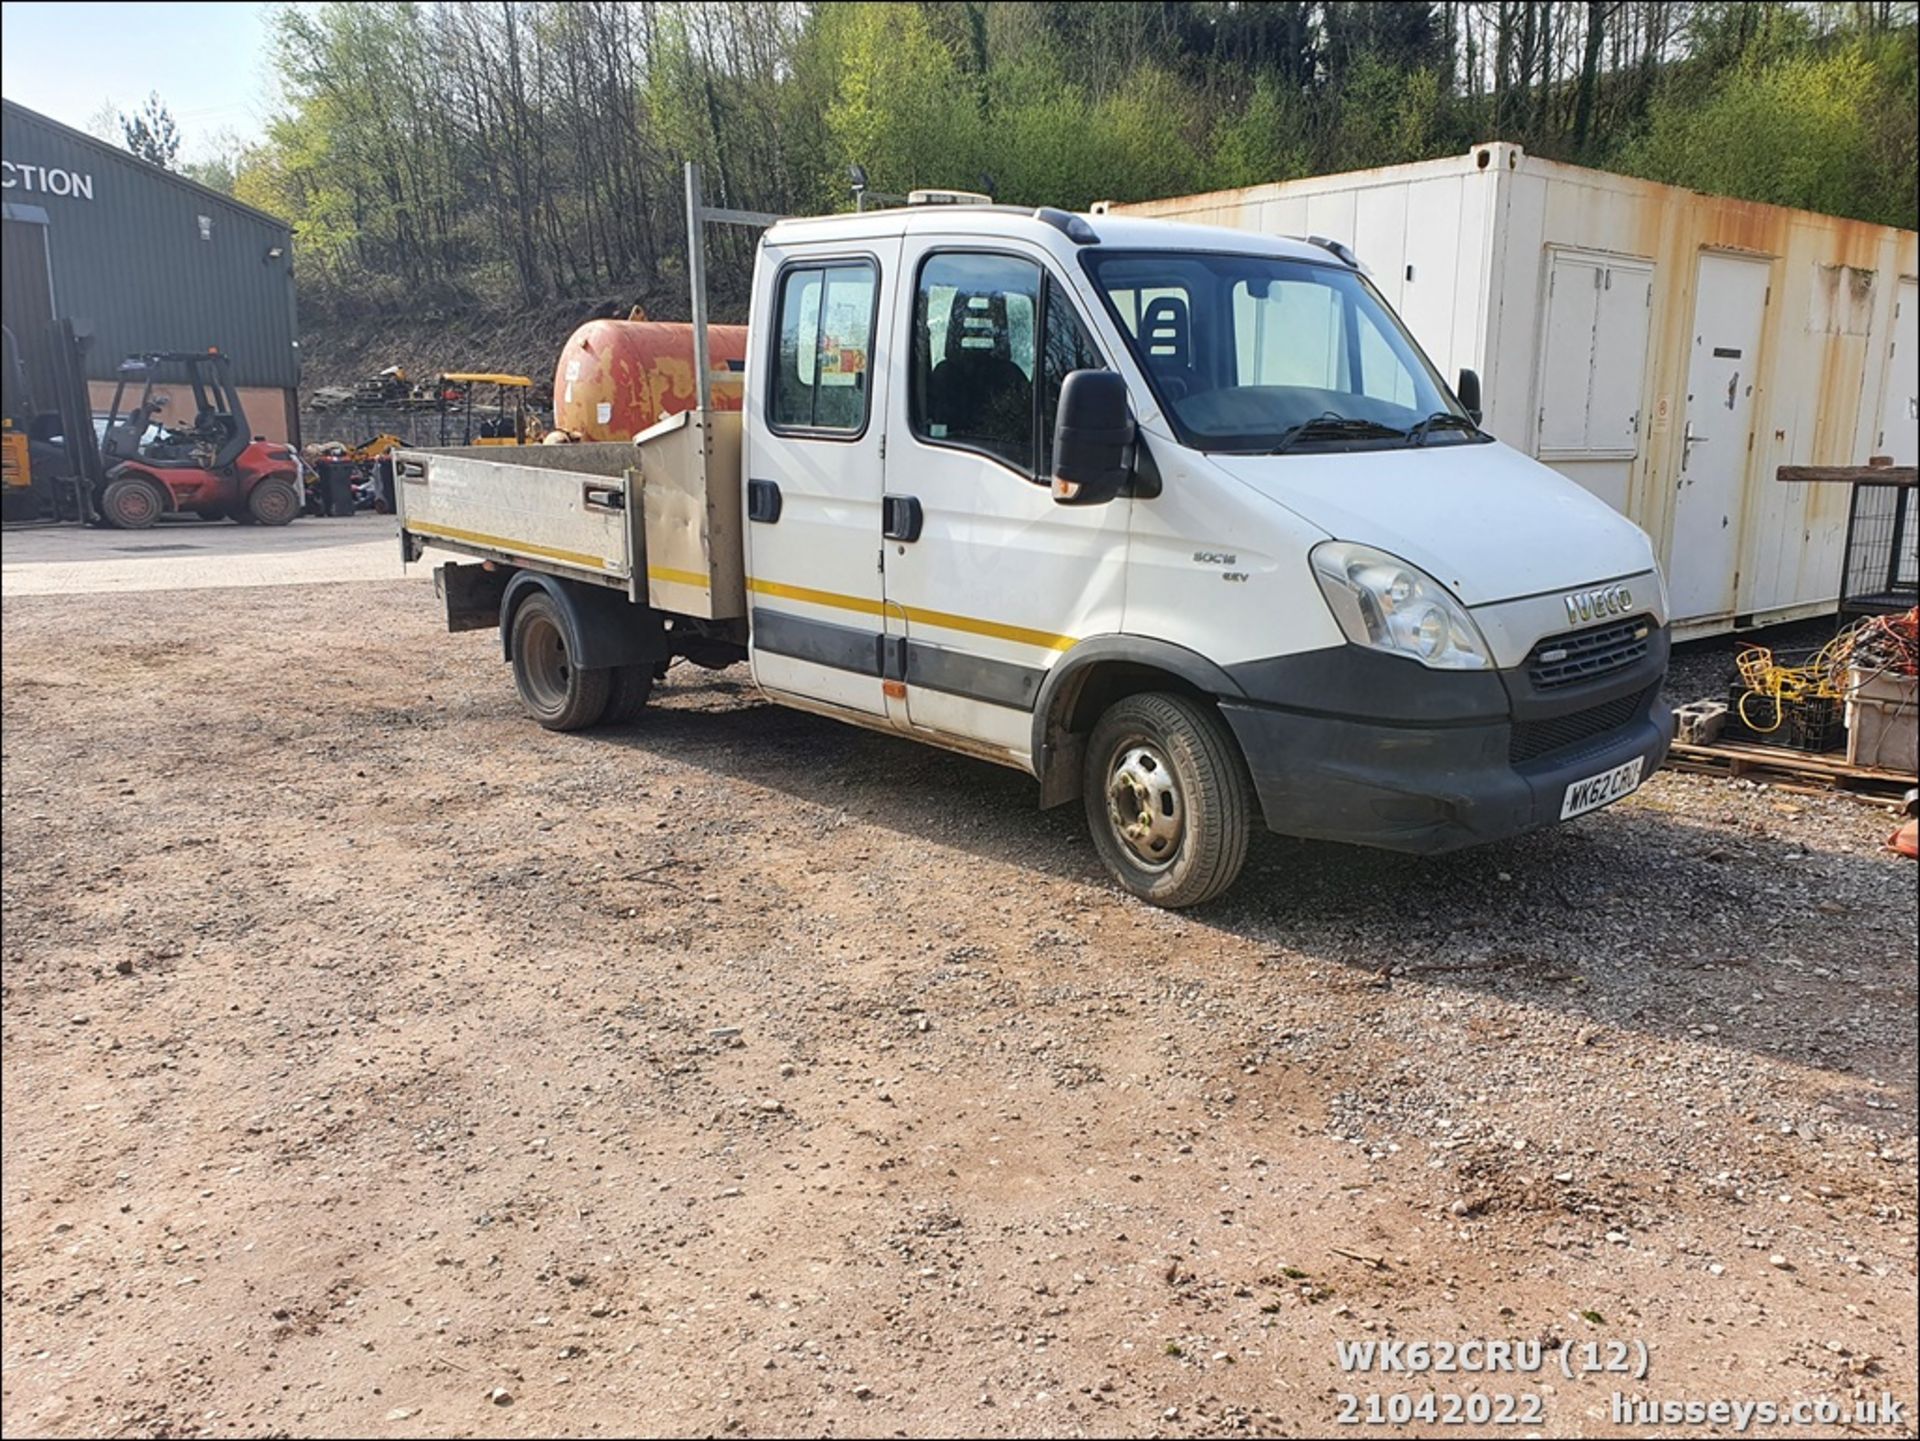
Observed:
{"x":208,"y":61}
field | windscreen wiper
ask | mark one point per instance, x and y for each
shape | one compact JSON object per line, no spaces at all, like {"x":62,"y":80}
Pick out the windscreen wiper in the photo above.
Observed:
{"x":1440,"y":420}
{"x":1334,"y":427}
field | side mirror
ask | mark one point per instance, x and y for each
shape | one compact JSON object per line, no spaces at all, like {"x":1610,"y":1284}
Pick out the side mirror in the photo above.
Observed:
{"x":1469,"y":393}
{"x":1092,"y":438}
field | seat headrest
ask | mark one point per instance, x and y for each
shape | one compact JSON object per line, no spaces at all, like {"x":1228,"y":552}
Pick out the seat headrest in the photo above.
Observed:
{"x":1166,"y":331}
{"x":977,"y":325}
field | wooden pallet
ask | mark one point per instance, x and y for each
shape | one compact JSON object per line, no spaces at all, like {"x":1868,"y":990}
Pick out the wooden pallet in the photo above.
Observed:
{"x":1790,"y":769}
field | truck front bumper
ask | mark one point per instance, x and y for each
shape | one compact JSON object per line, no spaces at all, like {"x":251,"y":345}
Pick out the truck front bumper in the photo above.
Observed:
{"x":1427,"y":785}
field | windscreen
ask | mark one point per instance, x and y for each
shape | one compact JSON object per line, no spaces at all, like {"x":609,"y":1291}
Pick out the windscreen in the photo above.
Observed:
{"x":1242,"y":349}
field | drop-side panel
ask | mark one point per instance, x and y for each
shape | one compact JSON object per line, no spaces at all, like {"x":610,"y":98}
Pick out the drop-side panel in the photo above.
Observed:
{"x":564,"y":507}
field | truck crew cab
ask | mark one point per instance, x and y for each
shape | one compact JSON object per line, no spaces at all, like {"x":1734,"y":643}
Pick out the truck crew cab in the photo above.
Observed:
{"x":1179,"y":520}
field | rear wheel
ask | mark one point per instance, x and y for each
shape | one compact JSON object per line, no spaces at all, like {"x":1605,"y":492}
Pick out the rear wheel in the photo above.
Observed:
{"x":273,"y":502}
{"x":1168,"y":799}
{"x":632,"y":685}
{"x":131,"y":503}
{"x":556,"y":692}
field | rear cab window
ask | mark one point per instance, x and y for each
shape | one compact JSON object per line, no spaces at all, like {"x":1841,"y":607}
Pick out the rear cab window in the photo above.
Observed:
{"x":822,"y":383}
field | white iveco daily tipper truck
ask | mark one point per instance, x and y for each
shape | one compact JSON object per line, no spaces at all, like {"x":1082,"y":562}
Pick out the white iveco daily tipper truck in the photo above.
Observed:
{"x":1178,"y":520}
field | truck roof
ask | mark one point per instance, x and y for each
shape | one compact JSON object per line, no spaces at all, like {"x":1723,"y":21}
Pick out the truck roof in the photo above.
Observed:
{"x":1121,"y":232}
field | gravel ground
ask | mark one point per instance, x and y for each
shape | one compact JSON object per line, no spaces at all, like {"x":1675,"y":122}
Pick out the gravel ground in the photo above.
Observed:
{"x":377,"y":1063}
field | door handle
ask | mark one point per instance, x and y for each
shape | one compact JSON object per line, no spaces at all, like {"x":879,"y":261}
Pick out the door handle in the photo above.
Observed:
{"x":763,"y":501}
{"x":900,"y":517}
{"x":602,"y":497}
{"x":1688,"y":440}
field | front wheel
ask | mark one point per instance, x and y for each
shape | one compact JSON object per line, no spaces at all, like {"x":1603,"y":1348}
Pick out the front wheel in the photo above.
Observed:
{"x":132,"y":504}
{"x":559,"y":694}
{"x":273,"y":502}
{"x":1168,"y":799}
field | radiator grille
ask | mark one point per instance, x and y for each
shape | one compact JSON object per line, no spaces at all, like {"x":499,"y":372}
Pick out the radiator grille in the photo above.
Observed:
{"x":1589,"y":654}
{"x":1534,"y":739}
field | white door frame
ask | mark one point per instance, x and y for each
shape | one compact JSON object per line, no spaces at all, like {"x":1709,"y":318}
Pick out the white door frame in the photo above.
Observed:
{"x":1736,"y":520}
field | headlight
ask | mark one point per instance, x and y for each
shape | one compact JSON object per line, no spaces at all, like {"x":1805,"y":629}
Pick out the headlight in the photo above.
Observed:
{"x":1381,"y":601}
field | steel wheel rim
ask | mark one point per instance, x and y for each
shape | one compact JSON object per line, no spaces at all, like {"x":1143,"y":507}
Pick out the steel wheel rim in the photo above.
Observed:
{"x":548,"y":667}
{"x":275,"y":502}
{"x":136,"y":503}
{"x":1144,"y":805}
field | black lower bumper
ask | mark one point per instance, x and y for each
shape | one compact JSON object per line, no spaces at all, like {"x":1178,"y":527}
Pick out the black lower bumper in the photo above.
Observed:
{"x":1428,"y":788}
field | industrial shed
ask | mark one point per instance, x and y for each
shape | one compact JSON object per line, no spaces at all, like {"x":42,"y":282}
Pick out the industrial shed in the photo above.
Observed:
{"x":141,"y":259}
{"x":1665,"y":349}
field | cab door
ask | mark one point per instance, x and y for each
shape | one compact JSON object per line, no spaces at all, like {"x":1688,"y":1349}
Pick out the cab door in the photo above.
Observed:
{"x":816,"y":427}
{"x":987,"y":580}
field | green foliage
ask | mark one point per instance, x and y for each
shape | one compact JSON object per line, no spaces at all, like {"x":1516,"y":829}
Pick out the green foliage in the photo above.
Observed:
{"x":1262,"y":139}
{"x":900,"y":106}
{"x":1055,"y":143}
{"x":1830,"y":131}
{"x":1386,"y":117}
{"x":521,"y":149}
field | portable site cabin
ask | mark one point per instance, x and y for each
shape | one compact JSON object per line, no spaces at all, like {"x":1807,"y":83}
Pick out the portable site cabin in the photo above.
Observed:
{"x":1665,"y":349}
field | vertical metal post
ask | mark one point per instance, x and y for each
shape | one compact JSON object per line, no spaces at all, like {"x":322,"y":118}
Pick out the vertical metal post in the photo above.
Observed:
{"x":697,"y":280}
{"x":1902,"y":494}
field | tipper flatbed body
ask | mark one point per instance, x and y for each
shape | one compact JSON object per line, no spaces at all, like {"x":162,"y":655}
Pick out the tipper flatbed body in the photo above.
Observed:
{"x":1177,"y":520}
{"x":591,"y":513}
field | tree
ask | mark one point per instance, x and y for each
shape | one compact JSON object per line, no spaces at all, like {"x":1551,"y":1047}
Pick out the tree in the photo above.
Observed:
{"x":523,"y":151}
{"x":151,"y":134}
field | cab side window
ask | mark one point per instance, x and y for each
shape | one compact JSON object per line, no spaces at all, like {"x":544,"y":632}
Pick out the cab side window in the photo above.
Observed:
{"x":820,"y":374}
{"x":974,"y":354}
{"x":993,"y":339}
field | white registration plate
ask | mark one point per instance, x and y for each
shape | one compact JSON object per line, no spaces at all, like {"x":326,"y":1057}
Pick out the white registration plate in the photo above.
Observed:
{"x":1596,"y":791}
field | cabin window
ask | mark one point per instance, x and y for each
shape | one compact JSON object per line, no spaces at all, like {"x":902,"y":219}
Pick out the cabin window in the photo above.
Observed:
{"x":994,"y":338}
{"x":974,"y":354}
{"x":821,"y":376}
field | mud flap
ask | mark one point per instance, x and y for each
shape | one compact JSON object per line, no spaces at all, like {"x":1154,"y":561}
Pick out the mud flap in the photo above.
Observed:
{"x":473,"y":594}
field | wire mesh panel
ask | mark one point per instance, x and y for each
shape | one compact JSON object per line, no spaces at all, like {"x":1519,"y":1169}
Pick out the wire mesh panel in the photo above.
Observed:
{"x":1883,"y":550}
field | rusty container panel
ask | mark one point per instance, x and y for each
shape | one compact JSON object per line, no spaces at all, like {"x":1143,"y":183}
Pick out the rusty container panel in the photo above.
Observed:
{"x":617,"y":378}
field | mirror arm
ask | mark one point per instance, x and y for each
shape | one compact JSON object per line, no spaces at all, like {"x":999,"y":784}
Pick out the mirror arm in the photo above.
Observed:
{"x":1144,"y":483}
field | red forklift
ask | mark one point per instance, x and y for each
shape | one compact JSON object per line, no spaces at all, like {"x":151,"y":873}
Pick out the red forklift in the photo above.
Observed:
{"x":212,"y":466}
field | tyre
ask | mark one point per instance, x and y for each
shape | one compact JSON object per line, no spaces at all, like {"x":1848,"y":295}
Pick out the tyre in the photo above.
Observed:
{"x":632,"y":685}
{"x":555,"y":691}
{"x":131,"y":503}
{"x":1168,"y":799}
{"x":273,"y":502}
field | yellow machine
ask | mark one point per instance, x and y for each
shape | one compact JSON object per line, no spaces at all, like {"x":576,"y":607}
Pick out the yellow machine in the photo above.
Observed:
{"x":468,"y":419}
{"x":16,"y":474}
{"x":368,"y":451}
{"x":16,"y":470}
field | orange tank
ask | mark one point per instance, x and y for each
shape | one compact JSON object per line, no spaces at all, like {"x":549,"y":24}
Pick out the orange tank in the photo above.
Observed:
{"x":617,"y":377}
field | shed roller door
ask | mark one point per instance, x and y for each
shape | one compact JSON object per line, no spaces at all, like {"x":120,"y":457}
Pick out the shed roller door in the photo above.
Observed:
{"x":26,"y":300}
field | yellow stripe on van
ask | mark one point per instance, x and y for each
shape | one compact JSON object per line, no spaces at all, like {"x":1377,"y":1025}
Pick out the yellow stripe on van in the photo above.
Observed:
{"x":817,"y":597}
{"x":677,"y":577}
{"x":1045,"y":639}
{"x":474,"y":537}
{"x":941,"y":619}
